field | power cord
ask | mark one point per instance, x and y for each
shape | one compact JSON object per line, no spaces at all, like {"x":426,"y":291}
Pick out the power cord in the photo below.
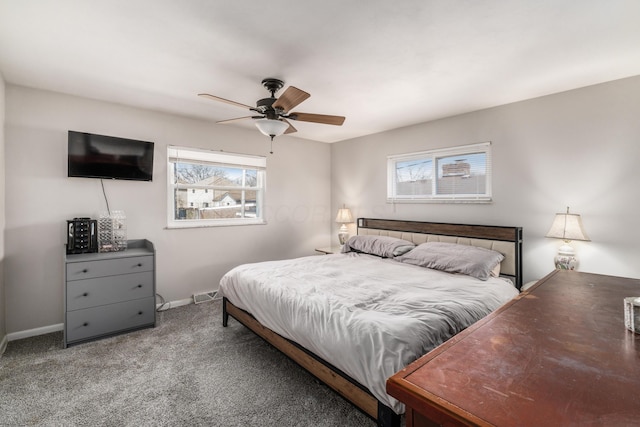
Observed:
{"x":105,"y":197}
{"x":162,"y":305}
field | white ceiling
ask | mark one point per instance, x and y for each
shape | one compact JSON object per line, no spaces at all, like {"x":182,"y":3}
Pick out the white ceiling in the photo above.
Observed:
{"x":383,"y":64}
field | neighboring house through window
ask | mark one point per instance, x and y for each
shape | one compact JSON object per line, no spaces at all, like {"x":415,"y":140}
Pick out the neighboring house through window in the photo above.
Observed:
{"x":210,"y":188}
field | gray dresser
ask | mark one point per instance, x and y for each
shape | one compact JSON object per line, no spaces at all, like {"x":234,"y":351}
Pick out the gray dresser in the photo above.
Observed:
{"x":109,"y":293}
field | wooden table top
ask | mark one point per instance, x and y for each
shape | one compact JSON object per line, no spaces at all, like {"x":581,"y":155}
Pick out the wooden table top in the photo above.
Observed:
{"x":558,"y":354}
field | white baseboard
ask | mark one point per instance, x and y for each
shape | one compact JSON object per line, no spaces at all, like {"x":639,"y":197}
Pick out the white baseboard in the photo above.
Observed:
{"x":35,"y":332}
{"x":60,"y":326}
{"x":174,"y":304}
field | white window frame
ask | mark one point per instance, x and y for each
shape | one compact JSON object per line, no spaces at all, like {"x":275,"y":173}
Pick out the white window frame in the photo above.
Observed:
{"x":434,"y":155}
{"x":177,"y":154}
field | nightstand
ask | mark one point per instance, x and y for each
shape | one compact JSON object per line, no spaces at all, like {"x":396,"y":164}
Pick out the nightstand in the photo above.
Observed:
{"x":329,"y":250}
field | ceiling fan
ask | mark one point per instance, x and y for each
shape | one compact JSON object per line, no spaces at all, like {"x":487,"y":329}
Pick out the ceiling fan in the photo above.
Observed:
{"x":273,"y":114}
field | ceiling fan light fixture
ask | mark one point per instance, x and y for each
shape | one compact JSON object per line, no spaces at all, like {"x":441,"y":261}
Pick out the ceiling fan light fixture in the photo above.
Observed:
{"x":271,"y":127}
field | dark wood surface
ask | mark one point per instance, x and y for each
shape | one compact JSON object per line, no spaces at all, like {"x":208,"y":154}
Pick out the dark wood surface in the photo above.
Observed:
{"x":557,"y":355}
{"x":491,"y":232}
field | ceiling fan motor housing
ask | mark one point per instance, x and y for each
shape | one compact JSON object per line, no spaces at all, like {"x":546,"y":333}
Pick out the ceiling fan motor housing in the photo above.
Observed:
{"x":265,"y":107}
{"x":265,"y":104}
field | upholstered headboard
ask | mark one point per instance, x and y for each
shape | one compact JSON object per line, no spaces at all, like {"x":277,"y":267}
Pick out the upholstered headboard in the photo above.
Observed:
{"x":506,"y":240}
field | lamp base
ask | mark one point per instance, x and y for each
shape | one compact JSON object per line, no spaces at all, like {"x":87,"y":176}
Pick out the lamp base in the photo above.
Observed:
{"x":566,"y":258}
{"x":564,"y":262}
{"x":343,"y":234}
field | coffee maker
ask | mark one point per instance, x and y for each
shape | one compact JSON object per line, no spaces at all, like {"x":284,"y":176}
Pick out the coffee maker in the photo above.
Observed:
{"x":82,"y":236}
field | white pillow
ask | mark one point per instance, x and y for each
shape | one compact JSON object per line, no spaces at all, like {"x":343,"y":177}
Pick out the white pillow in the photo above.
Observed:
{"x":382,"y":246}
{"x":452,"y":258}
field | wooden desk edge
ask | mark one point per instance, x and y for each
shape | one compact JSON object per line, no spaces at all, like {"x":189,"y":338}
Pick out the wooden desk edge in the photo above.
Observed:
{"x":418,"y":363}
{"x":435,"y":409}
{"x":430,"y":405}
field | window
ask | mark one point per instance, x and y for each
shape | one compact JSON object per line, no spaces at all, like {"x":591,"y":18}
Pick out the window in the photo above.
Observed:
{"x":458,"y":174}
{"x":211,"y":188}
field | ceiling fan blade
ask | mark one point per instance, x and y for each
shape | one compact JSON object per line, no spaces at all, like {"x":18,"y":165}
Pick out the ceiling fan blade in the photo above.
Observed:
{"x":290,"y":98}
{"x":291,"y":129}
{"x":217,"y":98}
{"x":317,"y":118}
{"x":238,"y":118}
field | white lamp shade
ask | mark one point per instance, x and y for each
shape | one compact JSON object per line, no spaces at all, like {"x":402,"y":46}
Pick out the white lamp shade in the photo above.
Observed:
{"x":344,"y":216}
{"x":567,"y":226}
{"x":271,"y":127}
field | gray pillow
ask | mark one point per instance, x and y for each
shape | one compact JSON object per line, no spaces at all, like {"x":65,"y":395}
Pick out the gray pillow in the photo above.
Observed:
{"x":382,"y":246}
{"x":470,"y":260}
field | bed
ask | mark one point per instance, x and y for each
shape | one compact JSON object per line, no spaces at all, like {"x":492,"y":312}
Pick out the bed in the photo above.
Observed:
{"x":356,"y":318}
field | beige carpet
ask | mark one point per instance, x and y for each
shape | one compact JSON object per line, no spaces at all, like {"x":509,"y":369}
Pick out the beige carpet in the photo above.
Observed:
{"x":187,"y":371}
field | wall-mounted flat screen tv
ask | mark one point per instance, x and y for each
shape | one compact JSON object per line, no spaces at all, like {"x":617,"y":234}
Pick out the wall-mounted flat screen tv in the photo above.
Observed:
{"x":109,"y":157}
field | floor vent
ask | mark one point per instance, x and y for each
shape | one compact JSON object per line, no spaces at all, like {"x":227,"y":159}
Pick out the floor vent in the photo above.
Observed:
{"x":204,"y":297}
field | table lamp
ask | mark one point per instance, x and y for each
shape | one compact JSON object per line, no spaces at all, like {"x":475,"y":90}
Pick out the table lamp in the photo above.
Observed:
{"x":344,"y":217}
{"x":567,"y":226}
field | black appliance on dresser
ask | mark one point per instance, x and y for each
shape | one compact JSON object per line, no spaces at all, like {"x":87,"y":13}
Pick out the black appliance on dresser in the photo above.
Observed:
{"x":82,"y":236}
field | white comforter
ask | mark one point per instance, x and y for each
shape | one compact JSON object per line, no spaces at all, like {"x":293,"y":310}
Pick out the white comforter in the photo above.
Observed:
{"x":367,"y":316}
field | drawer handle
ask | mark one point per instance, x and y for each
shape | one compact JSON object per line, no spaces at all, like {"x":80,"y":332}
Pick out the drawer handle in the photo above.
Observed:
{"x":139,"y":313}
{"x":85,"y":271}
{"x":85,"y":324}
{"x":139,"y":286}
{"x":86,"y":294}
{"x":139,"y":265}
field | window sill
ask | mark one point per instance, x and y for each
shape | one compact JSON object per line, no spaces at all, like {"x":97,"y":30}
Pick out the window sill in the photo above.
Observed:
{"x":479,"y":201}
{"x":208,"y":224}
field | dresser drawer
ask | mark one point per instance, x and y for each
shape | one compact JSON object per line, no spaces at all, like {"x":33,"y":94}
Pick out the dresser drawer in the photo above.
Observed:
{"x":108,"y":319}
{"x":108,"y":267}
{"x":108,"y":290}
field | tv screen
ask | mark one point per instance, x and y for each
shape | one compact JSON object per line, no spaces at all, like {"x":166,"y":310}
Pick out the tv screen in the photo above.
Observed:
{"x":100,"y":156}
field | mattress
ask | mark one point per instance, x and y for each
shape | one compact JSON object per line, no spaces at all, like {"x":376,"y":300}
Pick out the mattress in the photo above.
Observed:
{"x":367,"y":316}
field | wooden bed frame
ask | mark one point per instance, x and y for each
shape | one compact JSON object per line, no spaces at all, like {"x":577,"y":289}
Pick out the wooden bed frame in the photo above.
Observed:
{"x":481,"y":235}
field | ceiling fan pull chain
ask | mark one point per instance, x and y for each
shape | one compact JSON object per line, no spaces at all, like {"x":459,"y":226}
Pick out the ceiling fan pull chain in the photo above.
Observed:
{"x":271,"y":152}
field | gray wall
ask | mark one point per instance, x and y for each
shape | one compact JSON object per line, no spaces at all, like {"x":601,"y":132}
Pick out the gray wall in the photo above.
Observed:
{"x":579,"y":148}
{"x":40,"y":198}
{"x":3,"y":323}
